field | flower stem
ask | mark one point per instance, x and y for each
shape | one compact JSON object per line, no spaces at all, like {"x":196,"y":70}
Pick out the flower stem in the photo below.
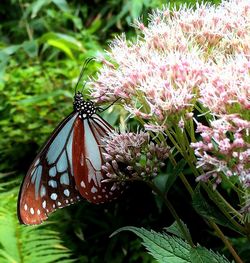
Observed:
{"x":173,"y":212}
{"x":226,"y":242}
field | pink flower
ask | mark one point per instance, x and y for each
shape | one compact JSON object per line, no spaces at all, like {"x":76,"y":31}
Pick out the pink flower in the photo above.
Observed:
{"x":228,"y":152}
{"x":227,"y":85}
{"x":179,"y":58}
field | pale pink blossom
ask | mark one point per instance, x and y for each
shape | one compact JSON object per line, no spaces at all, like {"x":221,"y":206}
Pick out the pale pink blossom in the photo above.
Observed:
{"x":227,"y":85}
{"x":224,"y":149}
{"x":181,"y":57}
{"x":184,"y":63}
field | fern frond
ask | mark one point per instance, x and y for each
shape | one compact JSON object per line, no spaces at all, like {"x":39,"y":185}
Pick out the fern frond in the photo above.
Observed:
{"x":27,"y":244}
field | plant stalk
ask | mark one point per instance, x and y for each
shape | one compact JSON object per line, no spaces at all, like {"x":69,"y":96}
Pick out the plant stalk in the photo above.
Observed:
{"x":173,"y":212}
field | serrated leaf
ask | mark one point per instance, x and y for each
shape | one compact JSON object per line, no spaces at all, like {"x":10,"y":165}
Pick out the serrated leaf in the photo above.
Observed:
{"x":175,"y":229}
{"x":167,"y":249}
{"x":203,"y":255}
{"x":162,"y":247}
{"x":206,"y":210}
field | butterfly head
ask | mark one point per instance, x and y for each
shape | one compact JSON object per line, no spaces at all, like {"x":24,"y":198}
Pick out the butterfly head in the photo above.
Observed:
{"x":86,"y":108}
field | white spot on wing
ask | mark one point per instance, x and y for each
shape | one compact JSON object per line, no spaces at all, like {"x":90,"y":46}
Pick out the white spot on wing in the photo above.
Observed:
{"x":83,"y":184}
{"x":52,"y":171}
{"x":64,"y":179}
{"x":42,"y":191}
{"x":66,"y":192}
{"x":93,"y":190}
{"x":44,"y":204}
{"x":52,"y":183}
{"x":53,"y":196}
{"x":32,"y":211}
{"x":25,"y":207}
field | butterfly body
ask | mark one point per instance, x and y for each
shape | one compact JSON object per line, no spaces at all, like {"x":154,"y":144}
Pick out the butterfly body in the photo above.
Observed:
{"x":69,"y":166}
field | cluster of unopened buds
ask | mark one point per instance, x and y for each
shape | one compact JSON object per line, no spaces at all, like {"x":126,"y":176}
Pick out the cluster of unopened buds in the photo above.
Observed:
{"x":132,"y":156}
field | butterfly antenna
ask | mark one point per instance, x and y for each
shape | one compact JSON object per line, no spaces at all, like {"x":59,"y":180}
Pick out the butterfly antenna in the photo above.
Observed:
{"x":86,"y":62}
{"x":103,"y":109}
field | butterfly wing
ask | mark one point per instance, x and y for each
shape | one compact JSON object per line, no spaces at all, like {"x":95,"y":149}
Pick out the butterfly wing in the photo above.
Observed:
{"x":88,"y":159}
{"x":49,"y":183}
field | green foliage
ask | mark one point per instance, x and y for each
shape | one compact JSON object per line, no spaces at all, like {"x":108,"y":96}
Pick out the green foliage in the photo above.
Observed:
{"x":175,"y":229}
{"x":167,"y":249}
{"x":20,"y":243}
{"x":210,"y":211}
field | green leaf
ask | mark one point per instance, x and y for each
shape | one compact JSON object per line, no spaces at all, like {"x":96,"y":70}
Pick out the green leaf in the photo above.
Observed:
{"x":162,"y":247}
{"x":31,"y":48}
{"x":203,"y":255}
{"x":136,"y":8}
{"x":62,"y":5}
{"x":37,"y":6}
{"x":208,"y":211}
{"x":63,"y":42}
{"x":95,"y":26}
{"x":71,"y":41}
{"x":3,"y":65}
{"x":167,"y":249}
{"x":62,"y":46}
{"x":175,"y":229}
{"x":10,"y":50}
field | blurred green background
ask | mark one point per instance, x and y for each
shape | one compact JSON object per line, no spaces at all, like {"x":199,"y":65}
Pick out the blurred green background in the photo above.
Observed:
{"x":43,"y":45}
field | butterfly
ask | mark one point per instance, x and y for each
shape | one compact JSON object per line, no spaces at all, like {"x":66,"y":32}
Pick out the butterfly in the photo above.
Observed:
{"x":69,"y":166}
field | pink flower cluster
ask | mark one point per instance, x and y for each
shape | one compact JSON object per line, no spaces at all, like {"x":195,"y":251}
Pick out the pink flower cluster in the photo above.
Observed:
{"x":179,"y":58}
{"x":227,"y":86}
{"x":224,"y":149}
{"x":183,"y":61}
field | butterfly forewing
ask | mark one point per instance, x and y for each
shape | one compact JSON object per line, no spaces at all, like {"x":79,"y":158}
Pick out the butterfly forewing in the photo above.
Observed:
{"x":49,"y":183}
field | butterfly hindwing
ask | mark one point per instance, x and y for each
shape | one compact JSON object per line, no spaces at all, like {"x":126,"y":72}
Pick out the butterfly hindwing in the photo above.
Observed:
{"x":88,"y":159}
{"x":49,"y":183}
